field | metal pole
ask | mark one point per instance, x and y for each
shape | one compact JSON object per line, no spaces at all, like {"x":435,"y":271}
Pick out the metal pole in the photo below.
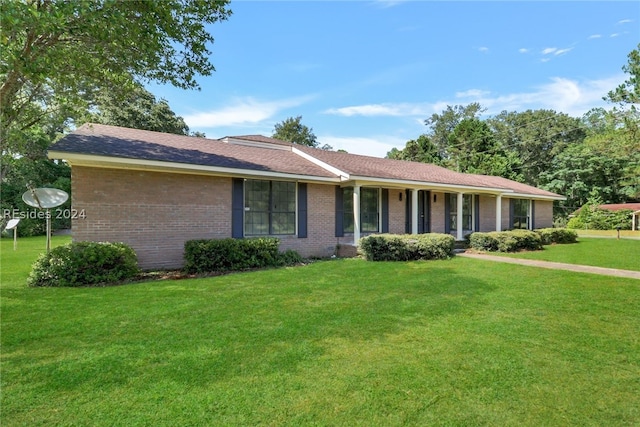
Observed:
{"x":48,"y":230}
{"x":15,"y":238}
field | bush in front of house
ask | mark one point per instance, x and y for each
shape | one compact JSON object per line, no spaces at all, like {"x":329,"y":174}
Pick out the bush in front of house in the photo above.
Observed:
{"x":221,"y":255}
{"x":551,"y":236}
{"x":394,"y":247}
{"x":506,"y":241}
{"x":83,"y":264}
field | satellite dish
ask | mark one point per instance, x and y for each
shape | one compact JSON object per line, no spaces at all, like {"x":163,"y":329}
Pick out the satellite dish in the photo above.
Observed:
{"x":13,"y":223}
{"x":45,"y":198}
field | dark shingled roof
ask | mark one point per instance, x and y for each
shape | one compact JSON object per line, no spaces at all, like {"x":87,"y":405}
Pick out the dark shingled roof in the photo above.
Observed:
{"x":113,"y":141}
{"x":269,"y":155}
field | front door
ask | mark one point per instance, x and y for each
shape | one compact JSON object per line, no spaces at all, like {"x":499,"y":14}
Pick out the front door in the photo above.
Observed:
{"x":424,"y":212}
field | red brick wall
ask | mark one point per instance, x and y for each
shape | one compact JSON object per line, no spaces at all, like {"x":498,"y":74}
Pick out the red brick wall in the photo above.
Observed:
{"x":543,"y":214}
{"x":153,"y":212}
{"x":156,"y":213}
{"x":397,"y":211}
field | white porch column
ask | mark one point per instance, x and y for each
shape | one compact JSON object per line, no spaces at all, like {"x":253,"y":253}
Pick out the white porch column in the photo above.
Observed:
{"x":356,"y":214}
{"x":459,"y":233}
{"x":499,"y":212}
{"x":414,"y":211}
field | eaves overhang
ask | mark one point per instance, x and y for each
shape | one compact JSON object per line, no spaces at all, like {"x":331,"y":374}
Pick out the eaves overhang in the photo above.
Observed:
{"x":99,"y":161}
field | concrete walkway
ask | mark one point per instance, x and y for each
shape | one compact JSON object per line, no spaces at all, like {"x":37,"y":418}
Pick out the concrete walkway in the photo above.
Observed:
{"x":556,"y":265}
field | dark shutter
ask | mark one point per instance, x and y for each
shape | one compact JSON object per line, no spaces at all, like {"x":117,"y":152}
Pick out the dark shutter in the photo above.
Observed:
{"x":447,"y":213}
{"x":339,"y":212}
{"x":408,"y":202}
{"x":476,"y":210}
{"x":237,"y":208}
{"x":385,"y":210}
{"x":302,"y":210}
{"x":533,"y":214}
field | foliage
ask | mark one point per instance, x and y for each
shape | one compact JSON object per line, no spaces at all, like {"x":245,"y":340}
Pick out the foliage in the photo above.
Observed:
{"x":629,"y":91}
{"x":292,"y":130}
{"x":535,"y":138}
{"x":592,"y":217}
{"x":38,"y":173}
{"x":442,"y":125}
{"x":580,"y":171}
{"x":218,"y":255}
{"x":84,"y":263}
{"x":421,"y":150}
{"x":551,"y":236}
{"x":56,"y":53}
{"x":394,"y":247}
{"x":138,"y":110}
{"x":506,"y":241}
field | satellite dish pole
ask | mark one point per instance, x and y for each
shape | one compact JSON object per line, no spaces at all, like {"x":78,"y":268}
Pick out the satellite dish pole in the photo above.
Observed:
{"x":45,"y":198}
{"x":13,"y":225}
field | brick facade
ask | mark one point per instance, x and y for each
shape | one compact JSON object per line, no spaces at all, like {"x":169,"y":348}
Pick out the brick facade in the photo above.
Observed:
{"x":156,"y":213}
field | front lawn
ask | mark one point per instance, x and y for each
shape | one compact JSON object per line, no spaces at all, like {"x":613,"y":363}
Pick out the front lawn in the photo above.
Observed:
{"x":597,"y":252}
{"x":346,"y":342}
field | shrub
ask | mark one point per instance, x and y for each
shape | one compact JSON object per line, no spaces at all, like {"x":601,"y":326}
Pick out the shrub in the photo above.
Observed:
{"x":506,"y":241}
{"x":593,"y":218}
{"x":557,"y":235}
{"x":218,"y":255}
{"x":84,"y":263}
{"x":393,"y":247}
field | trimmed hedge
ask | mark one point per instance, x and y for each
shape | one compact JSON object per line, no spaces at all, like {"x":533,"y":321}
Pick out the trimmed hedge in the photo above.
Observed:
{"x":550,"y":236}
{"x":395,"y":247}
{"x":220,"y":255}
{"x":84,"y":263}
{"x":506,"y":241}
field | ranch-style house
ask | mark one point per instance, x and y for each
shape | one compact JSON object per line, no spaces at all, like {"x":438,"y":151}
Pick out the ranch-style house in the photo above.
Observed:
{"x":154,"y":191}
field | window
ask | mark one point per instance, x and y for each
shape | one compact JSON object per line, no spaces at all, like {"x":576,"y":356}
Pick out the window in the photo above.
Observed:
{"x":270,"y":208}
{"x":467,"y":211}
{"x":369,"y":214}
{"x":520,"y":214}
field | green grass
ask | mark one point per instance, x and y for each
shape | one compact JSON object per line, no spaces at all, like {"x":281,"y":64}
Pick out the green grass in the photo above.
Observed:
{"x":611,"y":253}
{"x":609,"y":233}
{"x":460,"y":342}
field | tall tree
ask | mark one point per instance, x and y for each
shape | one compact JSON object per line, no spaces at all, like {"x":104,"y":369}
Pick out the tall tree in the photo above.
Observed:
{"x":629,"y":91}
{"x":442,"y":125}
{"x":536,"y":137}
{"x":56,"y":53}
{"x":292,"y":130}
{"x":139,"y":110}
{"x":421,"y":150}
{"x":474,"y":149}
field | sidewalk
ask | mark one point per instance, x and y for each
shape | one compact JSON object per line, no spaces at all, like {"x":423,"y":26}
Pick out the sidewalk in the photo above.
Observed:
{"x":556,"y":265}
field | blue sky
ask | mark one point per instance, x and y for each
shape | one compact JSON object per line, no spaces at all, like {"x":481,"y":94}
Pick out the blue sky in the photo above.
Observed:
{"x":366,"y":74}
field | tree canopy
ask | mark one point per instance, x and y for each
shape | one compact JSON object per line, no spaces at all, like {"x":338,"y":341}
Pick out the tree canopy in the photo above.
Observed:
{"x":57,"y":54}
{"x":292,"y":130}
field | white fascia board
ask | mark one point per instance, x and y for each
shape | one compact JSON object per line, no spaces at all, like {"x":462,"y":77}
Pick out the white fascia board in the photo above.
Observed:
{"x":343,"y":175}
{"x":515,"y":195}
{"x":425,"y":185}
{"x":172,"y":167}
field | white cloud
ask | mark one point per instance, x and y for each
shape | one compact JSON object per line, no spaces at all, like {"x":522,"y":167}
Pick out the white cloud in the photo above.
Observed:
{"x":483,"y":49}
{"x":386,"y":109}
{"x":614,"y":35}
{"x":595,"y":36}
{"x":555,"y":51}
{"x":549,"y":50}
{"x":523,"y":50}
{"x":562,"y":51}
{"x":242,"y":112}
{"x":564,"y":95}
{"x":472,"y":93}
{"x":376,"y":146}
{"x":624,"y":21}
